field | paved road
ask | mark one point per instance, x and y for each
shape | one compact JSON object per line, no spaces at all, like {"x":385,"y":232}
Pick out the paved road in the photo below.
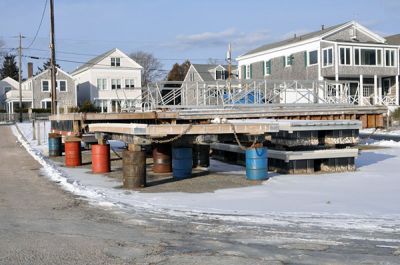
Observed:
{"x":42,"y":224}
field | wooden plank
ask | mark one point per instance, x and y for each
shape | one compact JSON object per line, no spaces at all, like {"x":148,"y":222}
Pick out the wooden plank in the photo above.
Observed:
{"x":363,"y":119}
{"x":371,"y":121}
{"x":379,"y":121}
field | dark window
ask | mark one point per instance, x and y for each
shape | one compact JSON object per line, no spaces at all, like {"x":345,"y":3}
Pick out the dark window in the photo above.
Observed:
{"x":63,"y":86}
{"x":313,"y":57}
{"x":220,"y":74}
{"x":45,"y":85}
{"x":115,"y":61}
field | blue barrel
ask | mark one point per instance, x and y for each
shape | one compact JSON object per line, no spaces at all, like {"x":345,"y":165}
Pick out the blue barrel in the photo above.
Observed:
{"x":182,"y":162}
{"x":257,"y":163}
{"x":55,"y":145}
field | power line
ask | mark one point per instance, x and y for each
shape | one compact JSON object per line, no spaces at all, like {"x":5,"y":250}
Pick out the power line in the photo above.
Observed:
{"x":160,"y":59}
{"x":40,"y":25}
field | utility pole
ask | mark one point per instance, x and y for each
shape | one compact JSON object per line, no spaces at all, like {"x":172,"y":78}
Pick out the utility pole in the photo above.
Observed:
{"x":229,"y":60}
{"x":19,"y":76}
{"x":53,"y":61}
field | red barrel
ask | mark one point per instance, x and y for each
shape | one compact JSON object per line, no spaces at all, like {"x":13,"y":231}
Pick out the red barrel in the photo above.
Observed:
{"x":162,"y":158}
{"x":73,"y":157}
{"x":101,"y":158}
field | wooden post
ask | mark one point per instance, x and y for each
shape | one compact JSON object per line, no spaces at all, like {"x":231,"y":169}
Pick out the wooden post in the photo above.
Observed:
{"x":38,"y":133}
{"x":33,"y":130}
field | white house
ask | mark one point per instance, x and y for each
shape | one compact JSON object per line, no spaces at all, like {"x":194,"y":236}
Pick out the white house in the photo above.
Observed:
{"x":6,"y":85}
{"x":111,"y":80}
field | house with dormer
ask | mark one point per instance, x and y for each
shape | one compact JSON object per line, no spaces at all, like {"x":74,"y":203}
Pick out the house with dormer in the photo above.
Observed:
{"x":346,"y":53}
{"x":209,"y":72}
{"x":111,"y":80}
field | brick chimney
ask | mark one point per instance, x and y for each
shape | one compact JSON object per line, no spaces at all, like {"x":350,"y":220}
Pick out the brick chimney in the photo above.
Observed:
{"x":30,"y":70}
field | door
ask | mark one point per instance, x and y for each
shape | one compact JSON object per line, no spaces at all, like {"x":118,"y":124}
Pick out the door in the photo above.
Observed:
{"x":386,"y":86}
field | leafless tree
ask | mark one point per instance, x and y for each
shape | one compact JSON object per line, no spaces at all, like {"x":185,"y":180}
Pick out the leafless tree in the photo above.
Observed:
{"x":152,"y":67}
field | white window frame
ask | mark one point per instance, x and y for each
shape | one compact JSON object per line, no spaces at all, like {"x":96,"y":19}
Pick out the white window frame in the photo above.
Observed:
{"x":308,"y":58}
{"x":116,"y":61}
{"x":368,"y":48}
{"x":130,"y":83}
{"x":323,"y":57}
{"x":248,"y":71}
{"x":59,"y":86}
{"x":352,"y":54}
{"x":222,"y":74}
{"x":102,"y":85}
{"x":45,"y":101}
{"x":117,"y":83}
{"x":394,"y":57}
{"x":49,"y":85}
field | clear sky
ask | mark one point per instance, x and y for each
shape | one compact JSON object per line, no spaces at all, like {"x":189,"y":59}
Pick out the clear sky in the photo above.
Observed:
{"x":174,"y":30}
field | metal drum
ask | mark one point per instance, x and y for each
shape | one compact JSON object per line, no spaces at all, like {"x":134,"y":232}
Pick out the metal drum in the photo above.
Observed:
{"x":134,"y":169}
{"x":162,"y":158}
{"x":101,"y":158}
{"x":73,"y":157}
{"x":55,"y":145}
{"x":182,"y":162}
{"x":257,"y":163}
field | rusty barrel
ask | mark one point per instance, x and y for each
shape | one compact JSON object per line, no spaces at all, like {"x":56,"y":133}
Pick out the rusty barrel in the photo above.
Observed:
{"x":73,"y":157}
{"x":203,"y":155}
{"x":55,"y":145}
{"x":162,"y":158}
{"x":101,"y":158}
{"x":134,"y":169}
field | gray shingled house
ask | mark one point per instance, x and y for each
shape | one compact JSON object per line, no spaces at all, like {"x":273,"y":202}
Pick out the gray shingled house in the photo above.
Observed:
{"x":348,"y":52}
{"x":209,"y":72}
{"x":40,"y":86}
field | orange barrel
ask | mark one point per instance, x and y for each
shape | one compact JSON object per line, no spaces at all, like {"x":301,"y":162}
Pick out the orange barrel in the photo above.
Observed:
{"x":73,"y":157}
{"x":133,"y":169}
{"x":101,"y":158}
{"x":162,"y":158}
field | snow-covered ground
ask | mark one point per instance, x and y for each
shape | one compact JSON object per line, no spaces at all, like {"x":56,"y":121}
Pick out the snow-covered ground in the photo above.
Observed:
{"x":366,"y":199}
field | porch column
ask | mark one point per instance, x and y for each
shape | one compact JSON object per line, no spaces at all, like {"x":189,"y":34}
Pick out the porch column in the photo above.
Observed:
{"x":102,"y":106}
{"x":380,"y":90}
{"x":397,"y":89}
{"x":109,"y":106}
{"x":12,"y":107}
{"x":360,"y":91}
{"x":376,"y":90}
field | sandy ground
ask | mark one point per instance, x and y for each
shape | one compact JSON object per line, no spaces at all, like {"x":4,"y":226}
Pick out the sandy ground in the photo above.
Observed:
{"x":42,"y":224}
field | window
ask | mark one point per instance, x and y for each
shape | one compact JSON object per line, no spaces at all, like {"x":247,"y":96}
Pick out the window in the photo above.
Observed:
{"x":129,"y":83}
{"x":115,"y":61}
{"x":327,"y":57}
{"x":6,"y":89}
{"x":219,"y":74}
{"x":102,"y":83}
{"x":367,"y":56}
{"x":289,"y":60}
{"x":191,"y":76}
{"x":115,"y":83}
{"x":389,"y":57}
{"x":46,"y":104}
{"x":62,"y":85}
{"x":45,"y":86}
{"x":313,"y":57}
{"x":344,"y":55}
{"x":268,"y":67}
